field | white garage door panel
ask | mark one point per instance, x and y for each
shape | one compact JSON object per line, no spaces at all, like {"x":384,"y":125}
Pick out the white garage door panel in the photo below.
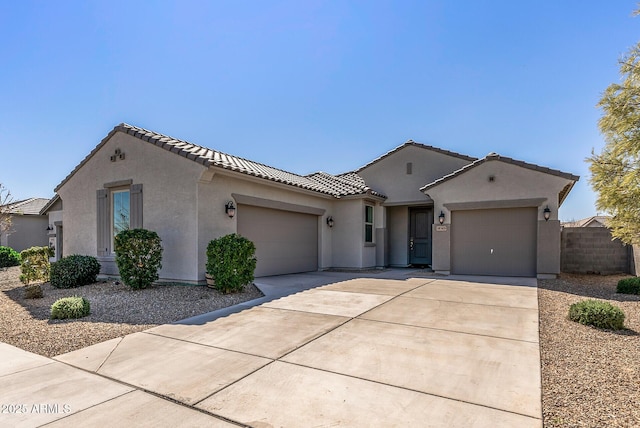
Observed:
{"x":286,"y":242}
{"x":499,"y":242}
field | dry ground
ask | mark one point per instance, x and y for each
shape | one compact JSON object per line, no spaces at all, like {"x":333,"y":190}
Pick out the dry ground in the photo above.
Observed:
{"x":590,"y":377}
{"x":116,"y":310}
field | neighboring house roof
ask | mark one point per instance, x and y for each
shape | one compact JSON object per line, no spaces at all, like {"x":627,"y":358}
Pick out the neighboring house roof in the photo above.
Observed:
{"x":49,"y":204}
{"x":319,"y":182}
{"x":496,"y":157}
{"x":593,"y":221}
{"x":422,"y":146}
{"x":31,"y":206}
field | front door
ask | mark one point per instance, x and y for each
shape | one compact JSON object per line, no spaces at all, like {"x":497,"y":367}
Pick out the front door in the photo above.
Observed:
{"x":420,"y":221}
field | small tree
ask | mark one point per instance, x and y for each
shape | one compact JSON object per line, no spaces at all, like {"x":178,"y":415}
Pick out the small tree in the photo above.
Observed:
{"x":615,"y":173}
{"x":231,"y":262}
{"x":5,"y":210}
{"x":138,"y":256}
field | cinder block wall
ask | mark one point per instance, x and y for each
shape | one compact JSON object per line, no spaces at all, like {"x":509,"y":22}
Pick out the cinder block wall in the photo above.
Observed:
{"x":592,"y":250}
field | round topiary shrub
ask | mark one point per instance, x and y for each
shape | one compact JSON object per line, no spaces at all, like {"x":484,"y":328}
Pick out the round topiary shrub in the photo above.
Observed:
{"x":598,"y":314}
{"x":629,"y":286}
{"x":74,"y":271}
{"x":231,"y":262}
{"x":70,"y":307}
{"x":138,"y":256}
{"x":9,"y":257}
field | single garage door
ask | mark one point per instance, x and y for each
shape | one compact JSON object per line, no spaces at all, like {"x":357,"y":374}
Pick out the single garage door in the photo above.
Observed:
{"x":500,"y":242}
{"x":286,"y":242}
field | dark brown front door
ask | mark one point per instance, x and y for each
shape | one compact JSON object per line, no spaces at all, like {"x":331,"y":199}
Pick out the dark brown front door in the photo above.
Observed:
{"x":420,"y":221}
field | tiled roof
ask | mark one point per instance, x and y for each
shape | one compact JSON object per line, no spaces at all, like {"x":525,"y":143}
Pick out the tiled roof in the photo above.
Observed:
{"x":422,"y":146}
{"x":497,"y":157}
{"x":31,"y":206}
{"x":600,"y":219}
{"x":319,"y":182}
{"x":344,"y":185}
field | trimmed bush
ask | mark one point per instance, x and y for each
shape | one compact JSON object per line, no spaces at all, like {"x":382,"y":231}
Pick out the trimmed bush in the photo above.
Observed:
{"x":70,"y":307}
{"x":33,"y":291}
{"x":9,"y":257}
{"x":598,"y":314}
{"x":35,"y":264}
{"x":231,"y":262}
{"x":74,"y":271}
{"x":138,"y":256}
{"x":629,"y":286}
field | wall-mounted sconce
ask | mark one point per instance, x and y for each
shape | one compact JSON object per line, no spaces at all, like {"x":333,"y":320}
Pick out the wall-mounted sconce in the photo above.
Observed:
{"x":547,"y":213}
{"x":330,"y":221}
{"x":49,"y":228}
{"x":230,"y":209}
{"x":441,"y":217}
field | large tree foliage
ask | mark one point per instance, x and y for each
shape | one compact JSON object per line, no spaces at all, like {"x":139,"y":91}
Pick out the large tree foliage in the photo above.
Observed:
{"x":615,"y":172}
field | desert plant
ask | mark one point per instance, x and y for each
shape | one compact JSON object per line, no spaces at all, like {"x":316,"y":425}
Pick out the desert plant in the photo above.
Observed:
{"x":70,"y":307}
{"x":33,"y":291}
{"x":598,"y":314}
{"x":35,"y":264}
{"x":9,"y":257}
{"x":138,"y":256}
{"x":74,"y":271}
{"x":629,"y":286}
{"x":231,"y":262}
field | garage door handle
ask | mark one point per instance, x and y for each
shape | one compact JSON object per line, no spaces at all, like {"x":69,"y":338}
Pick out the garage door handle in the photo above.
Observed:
{"x":411,"y":244}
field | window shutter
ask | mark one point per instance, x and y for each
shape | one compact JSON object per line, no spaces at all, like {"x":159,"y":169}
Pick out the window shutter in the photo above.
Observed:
{"x":136,"y":206}
{"x":104,"y":229}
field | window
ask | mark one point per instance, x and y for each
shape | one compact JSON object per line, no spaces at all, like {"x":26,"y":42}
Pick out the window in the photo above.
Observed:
{"x":368,"y":224}
{"x":121,"y":213}
{"x":119,"y":208}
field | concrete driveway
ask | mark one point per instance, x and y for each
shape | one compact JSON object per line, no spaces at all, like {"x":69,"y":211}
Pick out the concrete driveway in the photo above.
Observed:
{"x":393,"y":349}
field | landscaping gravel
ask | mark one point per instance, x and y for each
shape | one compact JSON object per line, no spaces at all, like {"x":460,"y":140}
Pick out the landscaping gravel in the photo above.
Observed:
{"x":590,"y":377}
{"x":116,"y":310}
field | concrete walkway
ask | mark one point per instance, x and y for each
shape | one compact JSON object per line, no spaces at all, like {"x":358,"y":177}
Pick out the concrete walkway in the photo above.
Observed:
{"x":395,"y":348}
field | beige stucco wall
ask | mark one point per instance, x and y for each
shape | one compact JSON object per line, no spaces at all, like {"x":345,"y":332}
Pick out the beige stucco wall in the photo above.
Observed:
{"x":511,"y":183}
{"x":169,"y":200}
{"x":389,"y":175}
{"x":216,"y":188}
{"x":26,"y":231}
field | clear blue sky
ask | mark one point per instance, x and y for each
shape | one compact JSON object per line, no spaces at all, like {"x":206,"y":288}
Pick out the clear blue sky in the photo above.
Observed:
{"x":309,"y":85}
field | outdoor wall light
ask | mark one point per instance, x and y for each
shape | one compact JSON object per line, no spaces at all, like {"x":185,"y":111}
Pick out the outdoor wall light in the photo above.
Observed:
{"x":230,"y":209}
{"x":49,"y":228}
{"x":547,"y":213}
{"x":441,"y":217}
{"x":330,"y":221}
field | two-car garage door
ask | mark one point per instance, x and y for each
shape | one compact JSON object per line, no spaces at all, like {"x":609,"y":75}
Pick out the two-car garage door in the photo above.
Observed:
{"x":286,"y":241}
{"x":499,"y":242}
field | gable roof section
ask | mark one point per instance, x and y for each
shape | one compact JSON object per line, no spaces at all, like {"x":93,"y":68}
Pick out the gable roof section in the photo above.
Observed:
{"x":422,"y":146}
{"x":319,"y":182}
{"x":31,"y":206}
{"x":496,"y":157}
{"x":345,"y":184}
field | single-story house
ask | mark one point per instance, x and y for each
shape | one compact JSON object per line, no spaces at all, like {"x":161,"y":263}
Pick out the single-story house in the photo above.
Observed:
{"x":28,"y":228}
{"x":415,"y":205}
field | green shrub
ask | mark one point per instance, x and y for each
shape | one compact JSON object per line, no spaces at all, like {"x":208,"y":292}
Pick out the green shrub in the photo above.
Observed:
{"x":231,"y":262}
{"x":9,"y":257}
{"x":629,"y":286}
{"x":138,"y":256}
{"x":598,"y":314}
{"x":35,"y":264}
{"x":74,"y":271}
{"x":70,"y":307}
